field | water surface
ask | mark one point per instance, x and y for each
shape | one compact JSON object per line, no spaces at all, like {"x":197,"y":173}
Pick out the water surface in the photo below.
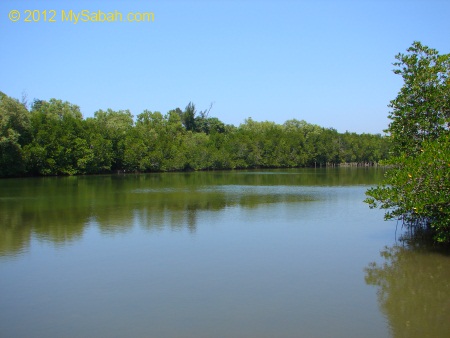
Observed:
{"x":277,"y":253}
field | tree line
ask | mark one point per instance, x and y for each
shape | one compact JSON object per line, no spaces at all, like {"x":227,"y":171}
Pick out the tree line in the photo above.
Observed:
{"x":53,"y":138}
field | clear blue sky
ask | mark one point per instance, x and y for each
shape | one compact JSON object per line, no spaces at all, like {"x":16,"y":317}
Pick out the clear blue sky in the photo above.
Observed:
{"x":326,"y":62}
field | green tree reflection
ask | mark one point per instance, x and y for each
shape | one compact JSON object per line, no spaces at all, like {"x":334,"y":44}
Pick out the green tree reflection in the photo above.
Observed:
{"x":59,"y":209}
{"x":414,"y":290}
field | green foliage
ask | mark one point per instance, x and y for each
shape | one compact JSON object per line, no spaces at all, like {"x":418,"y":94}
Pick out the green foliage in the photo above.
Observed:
{"x":15,"y":133}
{"x":417,"y":188}
{"x":11,"y":156}
{"x":421,"y":110}
{"x":54,"y":139}
{"x":188,"y":117}
{"x":114,"y":126}
{"x":59,"y":145}
{"x":143,"y":143}
{"x":100,"y":147}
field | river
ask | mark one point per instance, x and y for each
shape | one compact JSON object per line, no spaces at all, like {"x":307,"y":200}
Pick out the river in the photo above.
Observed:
{"x":270,"y":253}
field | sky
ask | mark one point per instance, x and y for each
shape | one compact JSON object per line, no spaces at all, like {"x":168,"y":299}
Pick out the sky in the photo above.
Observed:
{"x":326,"y":62}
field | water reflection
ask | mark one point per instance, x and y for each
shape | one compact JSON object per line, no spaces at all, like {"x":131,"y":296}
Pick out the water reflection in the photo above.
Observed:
{"x":413,"y":290}
{"x":231,"y":254}
{"x":60,"y":209}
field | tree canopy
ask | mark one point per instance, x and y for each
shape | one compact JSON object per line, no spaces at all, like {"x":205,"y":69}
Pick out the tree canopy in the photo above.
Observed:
{"x":417,"y":188}
{"x":52,"y":138}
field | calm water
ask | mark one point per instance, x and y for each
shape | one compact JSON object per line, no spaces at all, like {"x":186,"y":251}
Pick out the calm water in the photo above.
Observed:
{"x":280,"y":253}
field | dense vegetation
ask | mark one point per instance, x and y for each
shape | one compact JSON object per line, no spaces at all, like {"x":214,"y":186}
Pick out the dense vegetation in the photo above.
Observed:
{"x":417,"y":189}
{"x":52,"y":138}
